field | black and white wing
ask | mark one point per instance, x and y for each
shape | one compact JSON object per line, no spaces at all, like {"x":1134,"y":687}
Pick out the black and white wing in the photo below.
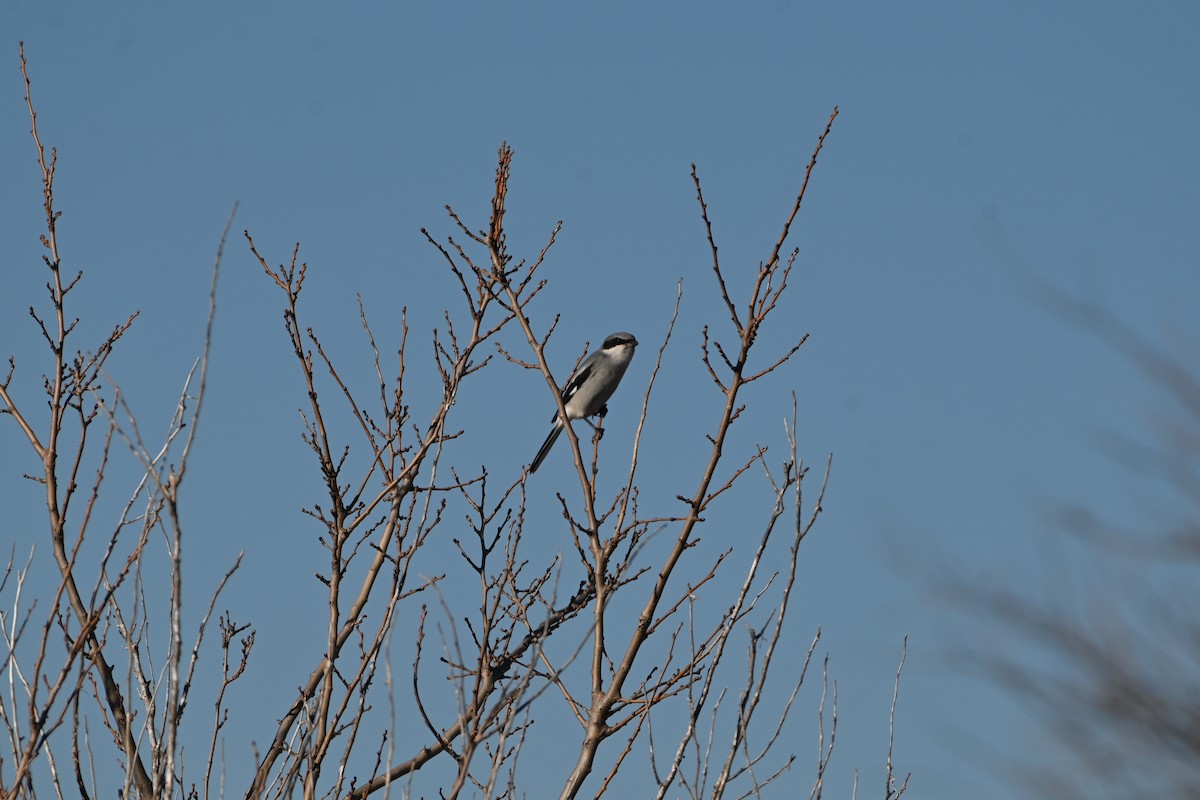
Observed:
{"x":577,"y":380}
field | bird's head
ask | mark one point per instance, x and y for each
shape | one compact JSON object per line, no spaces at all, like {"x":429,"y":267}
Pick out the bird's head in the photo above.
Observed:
{"x":619,"y":342}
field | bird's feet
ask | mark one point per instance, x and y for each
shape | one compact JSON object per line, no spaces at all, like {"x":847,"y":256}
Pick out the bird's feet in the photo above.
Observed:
{"x":599,"y":430}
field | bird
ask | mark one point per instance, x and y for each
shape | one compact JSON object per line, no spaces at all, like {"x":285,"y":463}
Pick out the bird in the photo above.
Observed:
{"x":587,"y":392}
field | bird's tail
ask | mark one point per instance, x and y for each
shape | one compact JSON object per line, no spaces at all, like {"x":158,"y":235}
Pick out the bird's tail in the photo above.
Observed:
{"x":546,"y":445}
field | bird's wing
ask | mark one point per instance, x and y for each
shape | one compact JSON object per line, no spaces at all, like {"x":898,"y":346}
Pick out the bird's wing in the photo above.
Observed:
{"x":573,"y":385}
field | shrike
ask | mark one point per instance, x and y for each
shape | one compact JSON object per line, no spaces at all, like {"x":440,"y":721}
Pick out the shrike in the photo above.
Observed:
{"x":587,"y":392}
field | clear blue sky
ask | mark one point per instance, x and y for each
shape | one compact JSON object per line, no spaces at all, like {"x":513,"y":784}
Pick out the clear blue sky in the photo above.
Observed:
{"x":975,"y":141}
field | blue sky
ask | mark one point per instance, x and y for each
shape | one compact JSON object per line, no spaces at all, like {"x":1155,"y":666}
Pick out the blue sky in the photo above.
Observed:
{"x":976,"y":144}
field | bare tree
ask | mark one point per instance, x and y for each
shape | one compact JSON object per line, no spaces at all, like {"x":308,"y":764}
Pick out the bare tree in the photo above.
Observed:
{"x":521,"y":647}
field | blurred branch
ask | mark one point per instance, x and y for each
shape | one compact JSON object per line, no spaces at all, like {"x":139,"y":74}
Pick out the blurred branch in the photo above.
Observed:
{"x":1113,"y":671}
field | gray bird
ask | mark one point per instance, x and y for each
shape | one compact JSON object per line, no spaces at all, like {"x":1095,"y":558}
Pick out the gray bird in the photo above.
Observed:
{"x":586,"y":394}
